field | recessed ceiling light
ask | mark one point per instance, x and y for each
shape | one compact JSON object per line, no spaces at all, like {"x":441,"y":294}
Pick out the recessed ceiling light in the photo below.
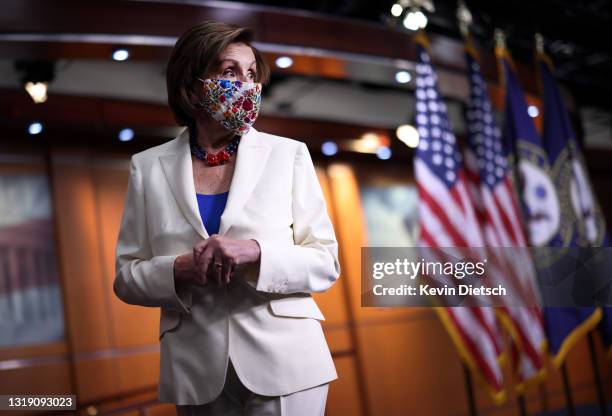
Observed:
{"x":35,"y":128}
{"x":408,"y":135}
{"x":125,"y":135}
{"x":415,"y":20}
{"x":383,"y":153}
{"x":284,"y":62}
{"x":396,"y":10}
{"x":37,"y":91}
{"x":121,"y":54}
{"x":329,"y":148}
{"x":403,"y":77}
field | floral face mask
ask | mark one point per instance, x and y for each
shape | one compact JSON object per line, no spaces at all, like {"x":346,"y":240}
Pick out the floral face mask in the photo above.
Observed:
{"x":234,"y":104}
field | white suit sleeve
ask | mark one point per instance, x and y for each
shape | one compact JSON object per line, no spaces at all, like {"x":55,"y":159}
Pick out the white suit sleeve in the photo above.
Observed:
{"x":311,"y":263}
{"x":142,"y":279}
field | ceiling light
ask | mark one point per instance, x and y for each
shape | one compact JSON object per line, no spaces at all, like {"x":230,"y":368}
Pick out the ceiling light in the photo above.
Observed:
{"x":533,"y":111}
{"x":35,"y":77}
{"x":121,"y":54}
{"x":403,"y":77}
{"x":329,"y":148}
{"x":408,"y":135}
{"x":396,"y":10}
{"x":284,"y":62}
{"x":369,"y":142}
{"x":410,"y":22}
{"x":383,"y":153}
{"x":35,"y":128}
{"x":421,"y":19}
{"x":415,"y":20}
{"x":126,"y":135}
{"x":37,"y":91}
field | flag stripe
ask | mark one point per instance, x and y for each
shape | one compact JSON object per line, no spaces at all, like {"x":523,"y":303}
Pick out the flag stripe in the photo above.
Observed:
{"x":448,"y":218}
{"x":440,"y":214}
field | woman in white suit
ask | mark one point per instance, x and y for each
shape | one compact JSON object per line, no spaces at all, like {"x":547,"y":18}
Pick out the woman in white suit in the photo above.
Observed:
{"x":225,"y":229}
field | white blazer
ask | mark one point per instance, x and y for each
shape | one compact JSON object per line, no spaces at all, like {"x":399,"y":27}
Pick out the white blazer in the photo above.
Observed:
{"x":265,"y":320}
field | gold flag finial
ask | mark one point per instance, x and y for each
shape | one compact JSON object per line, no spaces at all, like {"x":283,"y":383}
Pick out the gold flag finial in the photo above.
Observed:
{"x":541,"y":54}
{"x":500,"y":38}
{"x":464,"y":18}
{"x":539,"y":43}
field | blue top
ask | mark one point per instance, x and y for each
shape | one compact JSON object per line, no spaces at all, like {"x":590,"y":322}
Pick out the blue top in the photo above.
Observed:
{"x":211,"y":207}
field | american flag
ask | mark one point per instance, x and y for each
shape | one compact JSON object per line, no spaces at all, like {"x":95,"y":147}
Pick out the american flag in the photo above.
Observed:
{"x":490,"y":180}
{"x":447,"y":219}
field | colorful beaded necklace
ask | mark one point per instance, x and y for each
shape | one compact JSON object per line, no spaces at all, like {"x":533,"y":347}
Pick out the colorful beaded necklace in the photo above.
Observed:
{"x":214,"y":159}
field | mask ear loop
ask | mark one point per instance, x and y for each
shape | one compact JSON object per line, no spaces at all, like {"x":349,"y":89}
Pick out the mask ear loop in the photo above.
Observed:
{"x":199,"y":104}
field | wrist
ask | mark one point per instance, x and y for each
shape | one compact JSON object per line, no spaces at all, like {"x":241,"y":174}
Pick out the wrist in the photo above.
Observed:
{"x":256,"y":255}
{"x":184,"y":269}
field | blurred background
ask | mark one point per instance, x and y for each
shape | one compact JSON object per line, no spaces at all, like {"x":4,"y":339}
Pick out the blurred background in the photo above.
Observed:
{"x":82,"y":87}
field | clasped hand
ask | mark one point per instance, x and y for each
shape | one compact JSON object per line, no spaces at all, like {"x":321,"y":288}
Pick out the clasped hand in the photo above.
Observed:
{"x":217,"y":258}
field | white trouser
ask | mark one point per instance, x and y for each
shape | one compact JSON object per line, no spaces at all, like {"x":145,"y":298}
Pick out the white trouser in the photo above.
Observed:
{"x":237,"y":400}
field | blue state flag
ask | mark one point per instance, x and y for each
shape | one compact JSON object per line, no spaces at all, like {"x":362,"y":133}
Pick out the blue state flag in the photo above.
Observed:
{"x":543,"y":213}
{"x":570,"y":176}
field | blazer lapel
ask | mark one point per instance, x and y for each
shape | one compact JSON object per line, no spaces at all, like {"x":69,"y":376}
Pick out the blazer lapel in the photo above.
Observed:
{"x":178,"y":169}
{"x":252,"y":156}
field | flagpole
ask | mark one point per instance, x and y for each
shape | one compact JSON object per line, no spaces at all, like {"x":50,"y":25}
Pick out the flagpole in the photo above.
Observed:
{"x":464,"y":19}
{"x":544,"y":399}
{"x":600,"y":393}
{"x":469,"y":387}
{"x":567,"y":391}
{"x":500,"y":41}
{"x":521,"y":404}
